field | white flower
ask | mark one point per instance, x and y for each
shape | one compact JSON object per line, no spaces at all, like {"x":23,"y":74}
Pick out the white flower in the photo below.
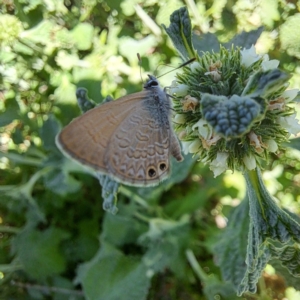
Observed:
{"x":290,"y":95}
{"x":271,"y":146}
{"x":204,"y":129}
{"x":194,"y":146}
{"x":290,"y":123}
{"x":249,"y":161}
{"x":178,"y":89}
{"x":182,"y":134}
{"x":195,"y":66}
{"x":249,"y":56}
{"x":190,"y":146}
{"x":179,"y":119}
{"x":207,"y":136}
{"x":219,"y":164}
{"x":185,"y":146}
{"x":270,"y":64}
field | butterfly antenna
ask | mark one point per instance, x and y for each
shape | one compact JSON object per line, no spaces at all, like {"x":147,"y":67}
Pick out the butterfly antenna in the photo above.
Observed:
{"x":140,"y":63}
{"x":182,"y":65}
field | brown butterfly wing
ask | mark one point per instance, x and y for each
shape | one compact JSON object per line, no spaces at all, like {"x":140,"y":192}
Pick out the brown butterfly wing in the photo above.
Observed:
{"x":86,"y":138}
{"x":139,"y":151}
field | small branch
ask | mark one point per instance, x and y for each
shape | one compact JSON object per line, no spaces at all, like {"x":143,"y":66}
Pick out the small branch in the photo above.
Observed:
{"x":9,"y":229}
{"x":47,"y":289}
{"x":147,"y":20}
{"x":195,"y":266}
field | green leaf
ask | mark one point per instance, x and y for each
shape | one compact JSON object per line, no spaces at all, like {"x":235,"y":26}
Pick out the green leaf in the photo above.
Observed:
{"x":66,"y":91}
{"x":205,"y":42}
{"x":111,"y":275}
{"x":229,"y":18}
{"x":213,"y":288}
{"x":245,"y":39}
{"x":48,"y":132}
{"x":180,"y":32}
{"x":166,"y":241}
{"x":126,"y":229}
{"x":141,"y":46}
{"x":293,"y":143}
{"x":39,"y":252}
{"x":230,"y":250}
{"x":268,"y":223}
{"x":61,"y":183}
{"x":289,"y":256}
{"x":66,"y":61}
{"x":83,"y":35}
{"x":284,"y":273}
{"x":11,"y":112}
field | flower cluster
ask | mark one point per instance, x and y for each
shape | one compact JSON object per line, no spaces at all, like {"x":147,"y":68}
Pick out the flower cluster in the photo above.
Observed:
{"x":232,"y":109}
{"x":10,"y":29}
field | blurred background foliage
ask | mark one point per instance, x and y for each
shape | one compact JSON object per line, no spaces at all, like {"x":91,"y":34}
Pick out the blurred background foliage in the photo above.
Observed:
{"x":56,"y":242}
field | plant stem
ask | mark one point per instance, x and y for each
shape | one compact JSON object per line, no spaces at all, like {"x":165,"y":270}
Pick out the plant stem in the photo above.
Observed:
{"x":195,"y":265}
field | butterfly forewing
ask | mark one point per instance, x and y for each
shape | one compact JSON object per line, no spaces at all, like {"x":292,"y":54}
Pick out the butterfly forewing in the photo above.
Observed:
{"x":86,"y":137}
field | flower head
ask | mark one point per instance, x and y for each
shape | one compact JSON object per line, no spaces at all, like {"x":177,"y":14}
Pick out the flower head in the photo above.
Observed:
{"x":10,"y":28}
{"x":233,"y":109}
{"x":219,"y":164}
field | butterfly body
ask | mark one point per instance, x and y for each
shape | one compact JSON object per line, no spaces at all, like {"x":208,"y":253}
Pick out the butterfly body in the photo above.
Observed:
{"x":130,"y":139}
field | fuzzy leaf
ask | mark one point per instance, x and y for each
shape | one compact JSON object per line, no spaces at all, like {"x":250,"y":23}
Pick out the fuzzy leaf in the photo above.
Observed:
{"x":111,"y":275}
{"x":11,"y":112}
{"x":245,"y":39}
{"x":39,"y":252}
{"x":293,"y":143}
{"x":61,"y":182}
{"x":230,"y":117}
{"x":270,"y":221}
{"x":284,"y":273}
{"x":126,"y":229}
{"x":206,"y":42}
{"x":166,"y":241}
{"x":48,"y":132}
{"x":267,"y":223}
{"x":289,"y":256}
{"x":83,"y":36}
{"x":230,"y":251}
{"x":180,"y":32}
{"x":214,"y":288}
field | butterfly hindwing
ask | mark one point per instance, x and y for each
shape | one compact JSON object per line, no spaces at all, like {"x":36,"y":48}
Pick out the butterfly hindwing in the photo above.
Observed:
{"x":139,"y":151}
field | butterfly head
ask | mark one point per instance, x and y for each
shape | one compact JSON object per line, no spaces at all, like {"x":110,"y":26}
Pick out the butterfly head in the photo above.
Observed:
{"x":151,"y":82}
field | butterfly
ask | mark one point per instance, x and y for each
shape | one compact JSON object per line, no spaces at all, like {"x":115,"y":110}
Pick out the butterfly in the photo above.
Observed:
{"x":130,"y":139}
